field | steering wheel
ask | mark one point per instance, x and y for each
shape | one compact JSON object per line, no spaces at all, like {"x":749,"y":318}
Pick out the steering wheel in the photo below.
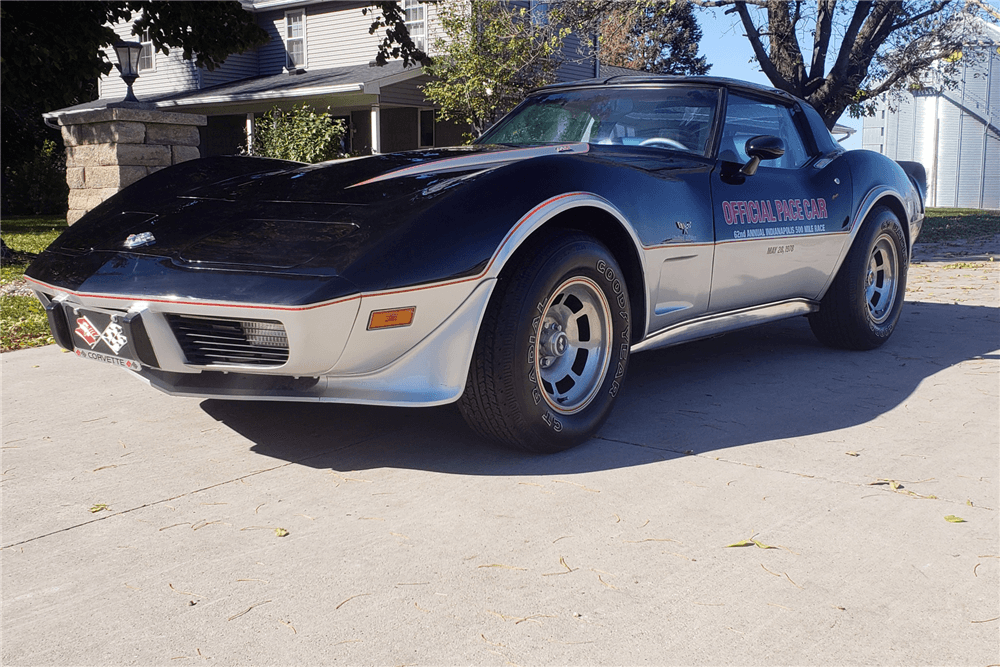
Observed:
{"x":668,"y":143}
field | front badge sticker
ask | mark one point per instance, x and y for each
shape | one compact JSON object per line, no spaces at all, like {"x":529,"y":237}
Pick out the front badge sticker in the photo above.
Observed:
{"x":114,"y":336}
{"x":87,"y":331}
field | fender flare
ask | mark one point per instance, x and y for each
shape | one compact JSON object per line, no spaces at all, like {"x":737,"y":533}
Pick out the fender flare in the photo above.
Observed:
{"x":537,"y":218}
{"x":878,"y":194}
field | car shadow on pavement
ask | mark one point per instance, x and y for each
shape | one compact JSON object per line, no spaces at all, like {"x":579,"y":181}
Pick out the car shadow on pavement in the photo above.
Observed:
{"x":768,"y":383}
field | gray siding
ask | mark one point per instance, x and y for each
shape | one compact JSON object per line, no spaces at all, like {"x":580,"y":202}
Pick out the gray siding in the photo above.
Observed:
{"x":578,"y":59}
{"x":237,"y":66}
{"x":406,"y":93}
{"x":271,"y":56}
{"x":336,"y":36}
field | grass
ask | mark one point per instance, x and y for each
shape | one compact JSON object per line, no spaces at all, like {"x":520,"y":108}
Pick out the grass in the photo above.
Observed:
{"x":953,"y":224}
{"x":23,"y":322}
{"x":22,"y":318}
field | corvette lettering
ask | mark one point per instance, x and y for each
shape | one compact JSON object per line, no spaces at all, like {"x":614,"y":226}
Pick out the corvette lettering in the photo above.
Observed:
{"x":777,"y":210}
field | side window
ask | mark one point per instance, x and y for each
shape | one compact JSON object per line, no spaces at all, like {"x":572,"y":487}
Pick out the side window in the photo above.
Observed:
{"x":147,"y":59}
{"x":746,"y":118}
{"x":416,"y":25}
{"x":295,"y":39}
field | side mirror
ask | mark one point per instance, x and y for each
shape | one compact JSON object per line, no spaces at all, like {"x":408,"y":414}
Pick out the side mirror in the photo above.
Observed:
{"x":762,"y":147}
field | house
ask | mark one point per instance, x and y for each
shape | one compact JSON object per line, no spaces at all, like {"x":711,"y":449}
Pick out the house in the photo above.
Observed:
{"x":320,"y":54}
{"x":953,"y":132}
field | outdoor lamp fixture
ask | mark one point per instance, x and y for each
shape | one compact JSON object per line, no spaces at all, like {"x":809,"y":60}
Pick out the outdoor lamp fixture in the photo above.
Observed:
{"x":128,"y":64}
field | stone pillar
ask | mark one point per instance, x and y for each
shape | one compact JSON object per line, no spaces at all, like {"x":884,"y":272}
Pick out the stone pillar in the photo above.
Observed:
{"x":109,"y":149}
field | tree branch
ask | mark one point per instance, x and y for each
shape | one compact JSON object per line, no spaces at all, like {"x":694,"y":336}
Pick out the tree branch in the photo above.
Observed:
{"x":821,"y":42}
{"x":861,"y":11}
{"x":726,"y":3}
{"x":935,"y":8}
{"x":766,"y":65}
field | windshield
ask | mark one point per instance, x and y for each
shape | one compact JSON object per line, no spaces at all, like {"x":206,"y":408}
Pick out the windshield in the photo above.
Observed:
{"x":676,"y":118}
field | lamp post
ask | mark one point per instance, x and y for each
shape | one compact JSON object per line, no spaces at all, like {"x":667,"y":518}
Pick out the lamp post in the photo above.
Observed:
{"x":128,"y":64}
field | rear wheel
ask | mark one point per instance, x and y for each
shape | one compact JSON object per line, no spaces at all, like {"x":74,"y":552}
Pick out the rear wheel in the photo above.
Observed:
{"x":862,"y":306}
{"x":553,"y":347}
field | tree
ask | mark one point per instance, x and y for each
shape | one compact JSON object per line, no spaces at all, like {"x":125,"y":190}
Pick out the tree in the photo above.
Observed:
{"x":51,"y":56}
{"x":859,"y":50}
{"x":659,"y":37}
{"x":301,"y":134}
{"x":492,"y":55}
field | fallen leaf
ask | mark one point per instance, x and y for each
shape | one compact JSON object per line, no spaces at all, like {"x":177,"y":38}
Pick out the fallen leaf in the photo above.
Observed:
{"x":281,"y":532}
{"x":951,"y":518}
{"x":852,"y":453}
{"x":98,"y":508}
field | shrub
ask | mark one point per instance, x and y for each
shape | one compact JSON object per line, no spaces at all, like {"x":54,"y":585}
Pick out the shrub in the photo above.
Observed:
{"x":300,"y":133}
{"x":37,"y":186}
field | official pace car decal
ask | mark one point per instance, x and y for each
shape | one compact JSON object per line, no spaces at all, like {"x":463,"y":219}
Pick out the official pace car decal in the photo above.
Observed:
{"x":770,"y":217}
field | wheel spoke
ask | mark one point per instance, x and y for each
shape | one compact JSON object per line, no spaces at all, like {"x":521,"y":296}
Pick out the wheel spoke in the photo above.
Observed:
{"x":574,"y":345}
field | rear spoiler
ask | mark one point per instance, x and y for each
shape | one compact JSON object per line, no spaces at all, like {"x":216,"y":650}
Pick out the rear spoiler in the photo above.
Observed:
{"x":918,"y":176}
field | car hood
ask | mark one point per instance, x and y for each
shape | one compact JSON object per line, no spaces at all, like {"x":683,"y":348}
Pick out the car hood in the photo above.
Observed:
{"x":279,"y":215}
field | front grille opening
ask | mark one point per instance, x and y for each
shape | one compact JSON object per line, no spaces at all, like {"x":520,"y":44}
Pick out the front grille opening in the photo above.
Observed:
{"x":209,"y":341}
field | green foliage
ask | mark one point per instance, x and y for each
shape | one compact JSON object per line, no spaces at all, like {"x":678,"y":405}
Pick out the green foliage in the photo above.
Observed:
{"x":51,"y":54}
{"x":492,"y":56}
{"x":301,"y":134}
{"x":951,"y":224}
{"x":396,"y":41}
{"x":22,"y":319}
{"x":23,"y":323}
{"x":38,"y":185}
{"x":653,"y":36}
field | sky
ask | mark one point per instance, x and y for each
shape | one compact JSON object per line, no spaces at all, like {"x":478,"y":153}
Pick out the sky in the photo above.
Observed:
{"x":724,"y":45}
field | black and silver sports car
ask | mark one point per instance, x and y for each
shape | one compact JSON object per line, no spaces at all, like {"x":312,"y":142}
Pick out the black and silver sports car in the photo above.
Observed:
{"x":515,"y":276}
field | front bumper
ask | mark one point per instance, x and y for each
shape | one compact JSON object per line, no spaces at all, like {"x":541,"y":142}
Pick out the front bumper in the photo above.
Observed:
{"x":330,"y":353}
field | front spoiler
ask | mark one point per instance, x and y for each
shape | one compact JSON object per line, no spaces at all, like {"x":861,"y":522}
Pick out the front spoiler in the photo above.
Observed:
{"x":433,"y":372}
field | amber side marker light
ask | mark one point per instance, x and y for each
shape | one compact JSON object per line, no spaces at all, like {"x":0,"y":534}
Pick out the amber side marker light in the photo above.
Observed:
{"x":387,"y":319}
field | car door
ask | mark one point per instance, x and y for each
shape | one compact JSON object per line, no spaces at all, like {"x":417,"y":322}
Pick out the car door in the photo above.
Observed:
{"x":780,"y":230}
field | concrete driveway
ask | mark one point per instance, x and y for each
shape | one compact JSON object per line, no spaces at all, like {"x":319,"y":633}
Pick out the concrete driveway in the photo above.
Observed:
{"x":410,"y":542}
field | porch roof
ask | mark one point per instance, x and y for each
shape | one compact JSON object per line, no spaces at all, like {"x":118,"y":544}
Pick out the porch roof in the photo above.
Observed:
{"x":365,"y":79}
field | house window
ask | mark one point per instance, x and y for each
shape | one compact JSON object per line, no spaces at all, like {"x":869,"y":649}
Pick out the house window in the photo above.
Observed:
{"x":426,"y":128}
{"x":146,"y":59}
{"x":415,"y":23}
{"x":295,"y":39}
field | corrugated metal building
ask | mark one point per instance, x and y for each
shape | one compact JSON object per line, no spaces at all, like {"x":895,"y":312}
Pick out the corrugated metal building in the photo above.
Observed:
{"x":954,"y":133}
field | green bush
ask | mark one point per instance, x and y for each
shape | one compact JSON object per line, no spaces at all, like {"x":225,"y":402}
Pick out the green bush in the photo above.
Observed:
{"x":37,"y":186}
{"x":300,"y":133}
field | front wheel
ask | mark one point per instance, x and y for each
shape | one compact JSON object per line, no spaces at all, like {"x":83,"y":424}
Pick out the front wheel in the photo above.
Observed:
{"x":862,"y":306}
{"x":553,"y":347}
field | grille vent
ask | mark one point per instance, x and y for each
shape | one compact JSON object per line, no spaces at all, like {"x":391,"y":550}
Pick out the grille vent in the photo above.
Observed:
{"x":209,"y":341}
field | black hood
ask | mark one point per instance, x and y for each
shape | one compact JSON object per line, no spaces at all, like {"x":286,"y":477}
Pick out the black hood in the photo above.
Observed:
{"x":279,"y":215}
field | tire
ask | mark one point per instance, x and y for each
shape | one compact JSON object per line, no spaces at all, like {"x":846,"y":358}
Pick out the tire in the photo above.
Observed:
{"x":862,"y":306}
{"x":553,"y":347}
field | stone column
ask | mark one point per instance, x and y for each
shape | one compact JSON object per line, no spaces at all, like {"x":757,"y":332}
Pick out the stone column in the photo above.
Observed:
{"x":109,"y":149}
